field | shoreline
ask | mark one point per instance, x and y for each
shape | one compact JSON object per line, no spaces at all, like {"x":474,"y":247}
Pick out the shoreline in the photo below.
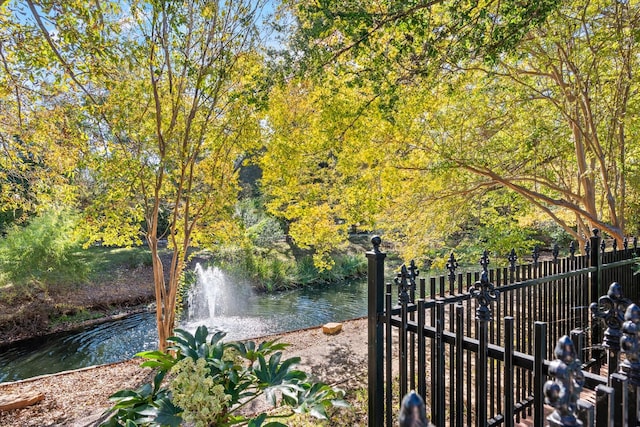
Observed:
{"x":63,"y":327}
{"x":279,"y":337}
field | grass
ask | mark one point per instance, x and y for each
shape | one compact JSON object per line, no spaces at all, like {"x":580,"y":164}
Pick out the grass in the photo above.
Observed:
{"x":73,"y":316}
{"x":94,"y":265}
{"x":102,"y":261}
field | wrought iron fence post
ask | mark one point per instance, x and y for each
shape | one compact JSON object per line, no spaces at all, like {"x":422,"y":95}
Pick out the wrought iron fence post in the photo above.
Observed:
{"x":413,"y":275}
{"x":485,"y":293}
{"x":375,"y":277}
{"x":535,"y":255}
{"x":572,"y":250}
{"x":512,"y":258}
{"x":594,"y":285}
{"x":611,"y":308}
{"x":596,"y":261}
{"x":452,"y":265}
{"x":403,"y":300}
{"x":563,"y":391}
{"x":630,"y":346}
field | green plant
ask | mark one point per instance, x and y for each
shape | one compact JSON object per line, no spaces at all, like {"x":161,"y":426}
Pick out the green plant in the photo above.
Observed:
{"x":45,"y":251}
{"x":261,"y":228}
{"x":211,"y":380}
{"x":148,"y":405}
{"x":69,"y":314}
{"x":102,"y":260}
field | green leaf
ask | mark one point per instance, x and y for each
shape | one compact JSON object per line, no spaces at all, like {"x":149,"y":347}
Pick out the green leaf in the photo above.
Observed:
{"x":201,"y":334}
{"x":157,"y":360}
{"x":168,"y":413}
{"x":257,"y":422}
{"x":157,"y":381}
{"x":217,"y":337}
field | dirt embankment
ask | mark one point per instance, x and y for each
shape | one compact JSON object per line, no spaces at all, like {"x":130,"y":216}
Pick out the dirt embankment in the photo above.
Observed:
{"x":125,"y":290}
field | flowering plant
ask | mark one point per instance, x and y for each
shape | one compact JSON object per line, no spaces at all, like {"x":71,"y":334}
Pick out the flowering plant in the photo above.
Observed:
{"x":209,"y":381}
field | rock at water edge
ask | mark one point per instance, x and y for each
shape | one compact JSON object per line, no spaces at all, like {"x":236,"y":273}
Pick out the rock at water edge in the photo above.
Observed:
{"x":332,"y":328}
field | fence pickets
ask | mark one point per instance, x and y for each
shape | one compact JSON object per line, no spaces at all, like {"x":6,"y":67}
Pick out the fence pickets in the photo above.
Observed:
{"x":482,"y":348}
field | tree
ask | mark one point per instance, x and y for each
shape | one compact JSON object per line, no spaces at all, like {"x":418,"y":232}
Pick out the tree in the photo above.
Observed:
{"x":40,"y":144}
{"x":555,"y":118}
{"x":313,"y":165}
{"x":169,"y":107}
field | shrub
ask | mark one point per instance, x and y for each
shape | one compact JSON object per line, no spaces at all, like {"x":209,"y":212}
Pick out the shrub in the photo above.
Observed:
{"x":262,"y":229}
{"x":212,"y":380}
{"x":45,"y":251}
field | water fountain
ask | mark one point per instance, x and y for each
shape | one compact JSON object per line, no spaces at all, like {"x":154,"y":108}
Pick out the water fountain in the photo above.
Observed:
{"x":202,"y":297}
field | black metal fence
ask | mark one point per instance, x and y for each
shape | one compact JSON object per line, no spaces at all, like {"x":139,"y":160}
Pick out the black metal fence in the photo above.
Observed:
{"x":479,"y":347}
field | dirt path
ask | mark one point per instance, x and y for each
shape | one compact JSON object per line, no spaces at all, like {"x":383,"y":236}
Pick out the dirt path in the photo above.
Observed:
{"x":78,"y":398}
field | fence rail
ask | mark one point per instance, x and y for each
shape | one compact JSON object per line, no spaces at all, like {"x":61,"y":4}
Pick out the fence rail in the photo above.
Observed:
{"x":442,"y":340}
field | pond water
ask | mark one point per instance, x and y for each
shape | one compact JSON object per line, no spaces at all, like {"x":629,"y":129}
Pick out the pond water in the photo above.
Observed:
{"x":216,"y":301}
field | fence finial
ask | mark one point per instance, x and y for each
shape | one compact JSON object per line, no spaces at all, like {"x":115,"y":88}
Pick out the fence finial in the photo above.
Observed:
{"x":611,"y":308}
{"x":452,"y":265}
{"x":376,"y":241}
{"x":413,"y":274}
{"x":412,"y":411}
{"x":630,"y":344}
{"x":572,"y":249}
{"x":535,"y":255}
{"x":513,"y":258}
{"x":563,"y":391}
{"x":485,"y":293}
{"x":403,"y":285}
{"x":484,"y":260}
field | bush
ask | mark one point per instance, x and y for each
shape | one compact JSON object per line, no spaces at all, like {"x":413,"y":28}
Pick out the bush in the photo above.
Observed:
{"x":275,"y":271}
{"x":212,"y":380}
{"x":44,"y":252}
{"x":262,"y":229}
{"x":345,"y":266}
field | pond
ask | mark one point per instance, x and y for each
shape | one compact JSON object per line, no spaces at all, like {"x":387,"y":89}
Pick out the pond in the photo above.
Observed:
{"x":216,"y":301}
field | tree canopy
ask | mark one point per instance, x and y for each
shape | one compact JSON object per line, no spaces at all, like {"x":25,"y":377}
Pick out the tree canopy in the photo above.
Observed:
{"x":541,"y":126}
